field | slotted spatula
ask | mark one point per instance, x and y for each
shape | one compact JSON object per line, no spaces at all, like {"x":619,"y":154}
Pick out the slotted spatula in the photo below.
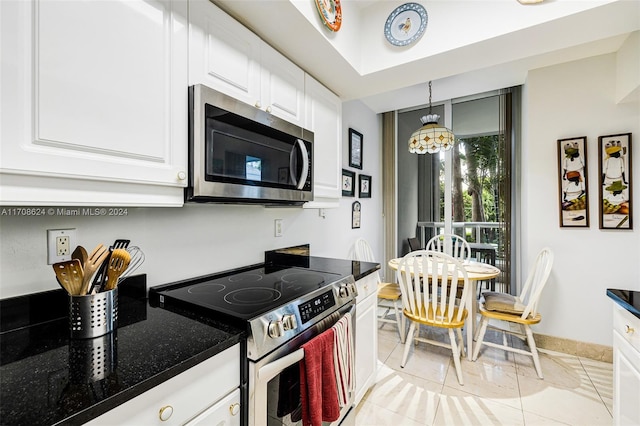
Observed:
{"x":70,"y":276}
{"x":118,"y":262}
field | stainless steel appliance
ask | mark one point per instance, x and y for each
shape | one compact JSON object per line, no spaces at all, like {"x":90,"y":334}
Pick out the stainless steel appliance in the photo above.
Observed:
{"x":241,"y":154}
{"x":281,"y":308}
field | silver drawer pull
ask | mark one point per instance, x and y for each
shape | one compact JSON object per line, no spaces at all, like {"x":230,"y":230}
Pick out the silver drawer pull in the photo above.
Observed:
{"x":628,"y":329}
{"x":234,"y":409}
{"x":166,"y":412}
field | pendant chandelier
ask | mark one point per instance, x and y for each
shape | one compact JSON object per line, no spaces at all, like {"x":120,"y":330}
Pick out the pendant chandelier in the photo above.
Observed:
{"x":431,"y":137}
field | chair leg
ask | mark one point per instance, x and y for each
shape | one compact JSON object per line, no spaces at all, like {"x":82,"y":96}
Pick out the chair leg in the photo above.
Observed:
{"x":480,"y":338}
{"x":407,"y":344}
{"x":456,"y":355}
{"x":463,"y":351}
{"x":534,"y":350}
{"x":399,"y":321}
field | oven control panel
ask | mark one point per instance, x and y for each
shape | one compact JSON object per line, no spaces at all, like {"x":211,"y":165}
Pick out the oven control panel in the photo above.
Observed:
{"x":316,"y":306}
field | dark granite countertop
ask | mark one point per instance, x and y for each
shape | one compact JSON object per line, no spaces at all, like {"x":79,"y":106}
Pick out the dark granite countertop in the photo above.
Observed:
{"x":628,"y":299}
{"x":47,"y":378}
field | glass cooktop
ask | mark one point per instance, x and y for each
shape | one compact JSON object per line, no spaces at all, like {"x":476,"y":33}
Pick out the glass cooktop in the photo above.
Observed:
{"x":249,"y":294}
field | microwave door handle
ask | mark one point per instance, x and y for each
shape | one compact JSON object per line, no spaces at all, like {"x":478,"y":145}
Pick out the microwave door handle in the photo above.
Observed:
{"x":268,"y":372}
{"x":302,"y":179}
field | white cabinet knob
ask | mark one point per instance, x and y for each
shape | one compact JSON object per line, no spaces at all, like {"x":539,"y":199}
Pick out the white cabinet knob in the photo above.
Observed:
{"x":258,"y":104}
{"x":234,"y":409}
{"x":628,"y":329}
{"x":165,"y":413}
{"x":182,"y":175}
{"x":269,"y":109}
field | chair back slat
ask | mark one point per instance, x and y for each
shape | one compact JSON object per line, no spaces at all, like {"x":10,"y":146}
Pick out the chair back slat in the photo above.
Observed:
{"x":429,"y":282}
{"x":536,"y":280}
{"x":362,"y":251}
{"x":451,"y":244}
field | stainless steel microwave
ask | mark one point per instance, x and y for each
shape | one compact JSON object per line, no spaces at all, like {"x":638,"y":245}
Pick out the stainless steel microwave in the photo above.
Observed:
{"x":241,"y":154}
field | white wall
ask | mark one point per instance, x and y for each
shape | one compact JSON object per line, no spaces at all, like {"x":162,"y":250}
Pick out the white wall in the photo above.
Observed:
{"x":197,"y":239}
{"x":571,"y":100}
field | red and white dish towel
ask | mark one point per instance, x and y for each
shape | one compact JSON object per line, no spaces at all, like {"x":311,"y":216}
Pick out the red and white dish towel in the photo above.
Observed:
{"x":327,"y":373}
{"x":343,"y":358}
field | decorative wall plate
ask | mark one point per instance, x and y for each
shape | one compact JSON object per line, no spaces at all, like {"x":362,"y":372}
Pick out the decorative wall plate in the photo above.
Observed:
{"x":406,"y":24}
{"x":331,"y":13}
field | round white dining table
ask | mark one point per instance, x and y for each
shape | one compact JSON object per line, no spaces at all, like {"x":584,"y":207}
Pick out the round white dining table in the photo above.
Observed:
{"x":476,"y":272}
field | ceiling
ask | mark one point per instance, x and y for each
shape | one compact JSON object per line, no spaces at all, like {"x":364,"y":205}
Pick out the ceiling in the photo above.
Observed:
{"x":469,"y":46}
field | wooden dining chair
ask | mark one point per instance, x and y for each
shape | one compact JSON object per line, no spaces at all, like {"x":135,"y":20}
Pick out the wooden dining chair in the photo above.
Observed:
{"x":451,"y":244}
{"x":521,"y":310}
{"x":428,"y":298}
{"x":388,"y":293}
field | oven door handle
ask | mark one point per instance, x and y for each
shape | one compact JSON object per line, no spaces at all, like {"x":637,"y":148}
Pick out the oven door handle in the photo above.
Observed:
{"x":276,"y":367}
{"x":265,"y":374}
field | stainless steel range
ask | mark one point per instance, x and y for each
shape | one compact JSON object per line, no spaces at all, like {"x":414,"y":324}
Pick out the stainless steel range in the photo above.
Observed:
{"x":281,"y":308}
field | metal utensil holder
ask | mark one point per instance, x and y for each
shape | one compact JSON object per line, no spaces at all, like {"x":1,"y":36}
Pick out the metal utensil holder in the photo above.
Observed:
{"x":93,"y":315}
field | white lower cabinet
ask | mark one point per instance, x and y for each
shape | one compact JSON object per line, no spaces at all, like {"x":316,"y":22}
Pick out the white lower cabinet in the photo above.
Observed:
{"x":626,"y":368}
{"x":94,"y":102}
{"x":366,"y":346}
{"x":205,"y":394}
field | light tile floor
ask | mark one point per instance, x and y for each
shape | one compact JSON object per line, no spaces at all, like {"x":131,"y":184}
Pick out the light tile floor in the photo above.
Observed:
{"x":500,"y":388}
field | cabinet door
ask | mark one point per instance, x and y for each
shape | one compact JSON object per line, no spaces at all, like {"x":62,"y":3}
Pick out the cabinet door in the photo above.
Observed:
{"x":223,"y":54}
{"x":282,"y":86}
{"x":626,"y":382}
{"x":366,"y":346}
{"x":95,"y":91}
{"x":324,"y":119}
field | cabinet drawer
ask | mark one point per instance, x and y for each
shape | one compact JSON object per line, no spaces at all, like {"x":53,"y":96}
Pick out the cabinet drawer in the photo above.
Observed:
{"x":225,"y":412}
{"x":367,"y":286}
{"x":181,"y":397}
{"x":627,"y":325}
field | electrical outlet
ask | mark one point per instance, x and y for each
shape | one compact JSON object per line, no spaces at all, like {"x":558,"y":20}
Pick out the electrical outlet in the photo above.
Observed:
{"x":277,"y":225}
{"x":60,"y":243}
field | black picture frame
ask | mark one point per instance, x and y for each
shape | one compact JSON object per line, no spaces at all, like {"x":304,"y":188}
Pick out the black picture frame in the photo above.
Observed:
{"x":573,"y":182}
{"x":356,"y":214}
{"x":348,"y":183}
{"x":615,"y":182}
{"x":355,"y":149}
{"x":364,"y":186}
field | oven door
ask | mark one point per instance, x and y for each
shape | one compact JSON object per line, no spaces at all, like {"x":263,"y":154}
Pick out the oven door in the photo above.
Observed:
{"x":274,"y":382}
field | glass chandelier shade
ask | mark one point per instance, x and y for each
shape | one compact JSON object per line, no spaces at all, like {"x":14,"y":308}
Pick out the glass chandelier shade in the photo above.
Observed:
{"x":431,"y":137}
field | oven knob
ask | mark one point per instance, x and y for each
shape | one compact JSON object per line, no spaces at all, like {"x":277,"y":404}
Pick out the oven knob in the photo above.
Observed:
{"x":289,"y":322}
{"x":276,"y":329}
{"x":343,"y":291}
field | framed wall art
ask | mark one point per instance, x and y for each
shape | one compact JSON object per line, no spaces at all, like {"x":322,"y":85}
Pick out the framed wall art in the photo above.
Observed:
{"x":356,"y":214}
{"x":572,"y":179}
{"x":614,"y":178}
{"x":355,"y":149}
{"x":348,"y":183}
{"x":365,"y":186}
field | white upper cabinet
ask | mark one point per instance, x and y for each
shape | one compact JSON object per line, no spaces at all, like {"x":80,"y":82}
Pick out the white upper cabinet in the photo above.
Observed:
{"x":227,"y":57}
{"x":324,"y":119}
{"x":94,"y":102}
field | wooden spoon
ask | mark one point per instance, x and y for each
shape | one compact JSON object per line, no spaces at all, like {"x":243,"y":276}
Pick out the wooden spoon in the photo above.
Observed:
{"x":80,"y":253}
{"x":95,"y":259}
{"x":70,"y":276}
{"x":118,"y":262}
